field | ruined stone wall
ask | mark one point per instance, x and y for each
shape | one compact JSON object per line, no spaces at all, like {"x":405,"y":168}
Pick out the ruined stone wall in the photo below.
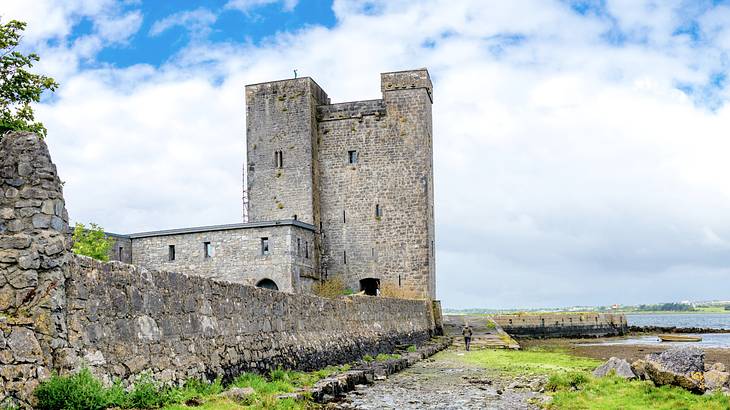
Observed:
{"x":394,"y":170}
{"x":34,"y":251}
{"x":237,"y":255}
{"x":123,"y":320}
{"x":563,"y":325}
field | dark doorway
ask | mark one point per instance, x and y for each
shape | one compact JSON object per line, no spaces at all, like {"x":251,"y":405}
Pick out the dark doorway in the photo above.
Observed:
{"x":267,"y":284}
{"x":370,"y":286}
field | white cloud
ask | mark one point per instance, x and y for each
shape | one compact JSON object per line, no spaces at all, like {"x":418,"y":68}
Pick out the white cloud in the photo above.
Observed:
{"x":567,"y":170}
{"x":248,"y":5}
{"x":196,"y":21}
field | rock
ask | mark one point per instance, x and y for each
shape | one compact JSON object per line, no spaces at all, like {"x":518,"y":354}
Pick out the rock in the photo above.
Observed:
{"x":24,"y":345}
{"x":238,"y":394}
{"x":639,"y":369}
{"x":716,"y":380}
{"x":614,"y":365}
{"x":681,"y":367}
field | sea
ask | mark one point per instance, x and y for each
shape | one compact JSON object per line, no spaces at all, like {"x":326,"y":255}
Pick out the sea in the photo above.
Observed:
{"x":704,"y":320}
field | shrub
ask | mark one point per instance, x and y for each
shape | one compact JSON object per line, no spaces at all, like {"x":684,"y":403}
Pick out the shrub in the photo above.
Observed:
{"x":367,"y":358}
{"x":382,"y":357}
{"x":411,"y":349}
{"x":80,"y":391}
{"x":331,"y":288}
{"x":390,"y":290}
{"x":92,"y":241}
{"x":146,"y":394}
{"x":566,"y":381}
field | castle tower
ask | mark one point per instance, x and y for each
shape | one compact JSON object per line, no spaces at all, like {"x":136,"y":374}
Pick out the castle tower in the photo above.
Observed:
{"x":281,"y":135}
{"x":360,"y":172}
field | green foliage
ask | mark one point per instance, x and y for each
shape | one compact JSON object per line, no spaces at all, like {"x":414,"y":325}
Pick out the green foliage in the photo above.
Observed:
{"x":382,"y":357}
{"x":80,"y":391}
{"x":727,"y":307}
{"x":616,"y":393}
{"x":367,"y":358}
{"x":18,"y":87}
{"x":92,"y":242}
{"x":411,"y":349}
{"x":491,"y":325}
{"x":666,"y":307}
{"x":568,"y":380}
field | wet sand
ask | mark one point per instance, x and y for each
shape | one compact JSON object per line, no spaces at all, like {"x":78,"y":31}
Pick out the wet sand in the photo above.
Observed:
{"x":628,"y":352}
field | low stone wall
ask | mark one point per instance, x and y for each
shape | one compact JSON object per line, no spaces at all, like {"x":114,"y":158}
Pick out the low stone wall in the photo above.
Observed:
{"x":123,"y":320}
{"x":563,"y":325}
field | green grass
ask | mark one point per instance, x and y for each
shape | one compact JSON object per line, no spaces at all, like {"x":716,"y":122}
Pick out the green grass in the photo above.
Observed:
{"x":616,"y":393}
{"x":573,"y":387}
{"x":527,"y":362}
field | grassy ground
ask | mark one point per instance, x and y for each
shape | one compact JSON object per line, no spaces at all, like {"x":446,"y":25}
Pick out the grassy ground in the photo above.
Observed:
{"x":573,"y":387}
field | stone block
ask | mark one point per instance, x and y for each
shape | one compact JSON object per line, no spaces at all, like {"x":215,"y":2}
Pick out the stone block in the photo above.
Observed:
{"x":25,"y":346}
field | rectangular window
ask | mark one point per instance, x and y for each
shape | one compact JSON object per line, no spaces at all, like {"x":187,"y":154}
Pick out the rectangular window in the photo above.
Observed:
{"x":264,"y":246}
{"x":121,"y":252}
{"x":299,"y":246}
{"x":207,"y":250}
{"x":171,"y":253}
{"x":378,"y":211}
{"x":279,"y":159}
{"x":306,"y":250}
{"x":352,"y":157}
{"x":344,"y":257}
{"x":344,"y":217}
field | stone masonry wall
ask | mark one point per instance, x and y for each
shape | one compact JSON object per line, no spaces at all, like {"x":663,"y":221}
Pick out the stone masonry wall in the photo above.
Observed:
{"x":123,"y":320}
{"x":237,"y":255}
{"x":34,"y":251}
{"x":393,"y":170}
{"x":563,"y":325}
{"x":59,"y":311}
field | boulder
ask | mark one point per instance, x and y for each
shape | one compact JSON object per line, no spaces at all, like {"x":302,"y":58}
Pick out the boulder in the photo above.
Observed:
{"x":639,"y":369}
{"x":238,"y":394}
{"x":682,"y":366}
{"x":716,"y":380}
{"x":619,"y":367}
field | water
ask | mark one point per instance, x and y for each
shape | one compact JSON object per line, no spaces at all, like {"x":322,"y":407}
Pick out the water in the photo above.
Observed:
{"x":706,"y":320}
{"x":715,"y":340}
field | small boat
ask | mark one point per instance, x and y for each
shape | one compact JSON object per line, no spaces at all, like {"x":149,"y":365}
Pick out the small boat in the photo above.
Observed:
{"x":678,"y":338}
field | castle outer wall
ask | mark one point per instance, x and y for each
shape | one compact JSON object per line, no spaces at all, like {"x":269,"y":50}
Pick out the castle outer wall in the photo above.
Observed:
{"x":61,"y":311}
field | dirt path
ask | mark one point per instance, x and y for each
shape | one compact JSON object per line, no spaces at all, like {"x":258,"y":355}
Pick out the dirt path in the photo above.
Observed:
{"x":440,"y":383}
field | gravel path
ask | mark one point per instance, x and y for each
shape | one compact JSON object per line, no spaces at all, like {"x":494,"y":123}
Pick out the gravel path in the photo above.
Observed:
{"x":441,"y":383}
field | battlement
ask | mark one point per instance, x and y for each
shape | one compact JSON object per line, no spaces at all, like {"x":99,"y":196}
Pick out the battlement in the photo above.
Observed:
{"x":353,"y":109}
{"x":290,"y":88}
{"x":403,"y":80}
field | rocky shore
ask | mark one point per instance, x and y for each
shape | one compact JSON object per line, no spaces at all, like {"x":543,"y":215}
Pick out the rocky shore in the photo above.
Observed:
{"x":673,"y":329}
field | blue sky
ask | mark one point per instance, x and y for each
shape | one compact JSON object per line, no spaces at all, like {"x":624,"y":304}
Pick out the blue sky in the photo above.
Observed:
{"x":580,"y":147}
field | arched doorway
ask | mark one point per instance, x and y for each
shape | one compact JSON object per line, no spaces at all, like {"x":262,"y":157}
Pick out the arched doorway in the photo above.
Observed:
{"x":371,"y":286}
{"x":267,"y":284}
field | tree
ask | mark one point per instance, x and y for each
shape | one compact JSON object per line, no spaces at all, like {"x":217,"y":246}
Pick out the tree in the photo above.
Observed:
{"x":92,"y":241}
{"x":18,"y":87}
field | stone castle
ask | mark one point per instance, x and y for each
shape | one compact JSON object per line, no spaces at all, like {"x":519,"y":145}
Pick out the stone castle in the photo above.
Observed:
{"x":331,"y":190}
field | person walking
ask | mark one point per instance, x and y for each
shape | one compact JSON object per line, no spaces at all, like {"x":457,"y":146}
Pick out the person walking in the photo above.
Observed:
{"x":467,"y":333}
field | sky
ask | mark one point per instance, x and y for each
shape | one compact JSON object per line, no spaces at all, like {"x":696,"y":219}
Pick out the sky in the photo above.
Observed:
{"x":581,"y":147}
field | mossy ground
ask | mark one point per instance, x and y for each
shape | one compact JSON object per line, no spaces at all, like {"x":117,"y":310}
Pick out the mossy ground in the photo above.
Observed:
{"x":573,"y":387}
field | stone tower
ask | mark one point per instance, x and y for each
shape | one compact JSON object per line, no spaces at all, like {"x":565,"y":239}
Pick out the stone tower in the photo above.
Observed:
{"x":360,"y":172}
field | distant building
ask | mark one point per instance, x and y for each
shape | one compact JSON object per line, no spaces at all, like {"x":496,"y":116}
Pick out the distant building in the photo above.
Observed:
{"x":334,"y":190}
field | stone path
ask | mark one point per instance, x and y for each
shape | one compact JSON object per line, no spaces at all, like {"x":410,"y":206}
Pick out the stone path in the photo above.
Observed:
{"x":440,"y":383}
{"x":484,"y":337}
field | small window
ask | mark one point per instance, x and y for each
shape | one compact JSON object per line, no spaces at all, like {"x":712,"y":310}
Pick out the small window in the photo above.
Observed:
{"x":344,"y":257}
{"x":344,"y":217}
{"x":399,"y":281}
{"x":306,"y":249}
{"x":207,"y":250}
{"x":171,"y":253}
{"x":294,"y":217}
{"x":352,"y":157}
{"x":299,"y":246}
{"x":121,"y":252}
{"x":378,"y":211}
{"x":279,"y":159}
{"x":264,"y":246}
